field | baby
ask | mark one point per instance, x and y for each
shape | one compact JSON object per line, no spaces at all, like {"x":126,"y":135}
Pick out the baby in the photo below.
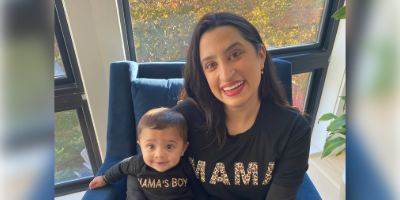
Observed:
{"x":162,"y":174}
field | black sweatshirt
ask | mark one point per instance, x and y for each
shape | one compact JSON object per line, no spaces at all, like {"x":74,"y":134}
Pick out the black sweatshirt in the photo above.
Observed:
{"x":274,"y":151}
{"x":272,"y":154}
{"x":178,"y":182}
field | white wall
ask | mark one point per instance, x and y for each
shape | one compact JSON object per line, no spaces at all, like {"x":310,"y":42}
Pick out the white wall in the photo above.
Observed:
{"x":96,"y":33}
{"x":333,"y":88}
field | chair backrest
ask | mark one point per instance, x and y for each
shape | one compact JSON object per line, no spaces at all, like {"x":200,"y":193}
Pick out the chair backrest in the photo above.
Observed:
{"x":136,"y":88}
{"x":168,"y":70}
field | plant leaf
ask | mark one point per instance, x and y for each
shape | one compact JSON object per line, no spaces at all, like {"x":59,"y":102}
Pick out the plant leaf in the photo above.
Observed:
{"x":340,"y":130}
{"x":337,"y":123}
{"x":328,"y":138}
{"x":344,"y":99}
{"x":331,"y":145}
{"x":327,"y":116}
{"x":340,"y":14}
{"x":344,"y":106}
{"x":340,"y":152}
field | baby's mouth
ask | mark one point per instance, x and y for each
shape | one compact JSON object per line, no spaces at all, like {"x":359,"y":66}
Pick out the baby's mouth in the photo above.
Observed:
{"x":161,"y":163}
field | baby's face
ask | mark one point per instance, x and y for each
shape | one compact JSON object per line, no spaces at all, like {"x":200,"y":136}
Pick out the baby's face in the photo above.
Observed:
{"x":161,"y":149}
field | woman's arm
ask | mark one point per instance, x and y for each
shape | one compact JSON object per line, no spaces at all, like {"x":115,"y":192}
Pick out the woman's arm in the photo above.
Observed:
{"x":277,"y":192}
{"x":291,"y":168}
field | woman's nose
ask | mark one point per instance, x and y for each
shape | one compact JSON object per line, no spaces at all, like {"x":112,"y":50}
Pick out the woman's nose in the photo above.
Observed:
{"x":226,"y":72}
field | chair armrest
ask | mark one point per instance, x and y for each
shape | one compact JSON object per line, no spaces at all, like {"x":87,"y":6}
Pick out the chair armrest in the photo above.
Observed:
{"x":111,"y":191}
{"x":307,"y":190}
{"x":106,"y":192}
{"x":121,"y":130}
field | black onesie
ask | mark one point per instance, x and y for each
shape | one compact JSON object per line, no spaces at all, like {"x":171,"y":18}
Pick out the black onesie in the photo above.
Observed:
{"x":178,"y":182}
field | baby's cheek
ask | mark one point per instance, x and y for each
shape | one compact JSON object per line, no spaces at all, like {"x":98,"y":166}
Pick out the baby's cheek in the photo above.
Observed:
{"x":147,"y":158}
{"x":175,"y":159}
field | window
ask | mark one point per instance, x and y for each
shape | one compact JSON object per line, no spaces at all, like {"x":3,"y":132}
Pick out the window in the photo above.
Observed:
{"x":162,"y":29}
{"x":71,"y":157}
{"x":77,"y":156}
{"x":300,"y":31}
{"x":59,"y":71}
{"x":300,"y":83}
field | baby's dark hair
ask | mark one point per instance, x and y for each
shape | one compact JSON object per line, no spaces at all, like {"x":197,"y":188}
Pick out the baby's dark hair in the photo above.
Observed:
{"x":161,"y":118}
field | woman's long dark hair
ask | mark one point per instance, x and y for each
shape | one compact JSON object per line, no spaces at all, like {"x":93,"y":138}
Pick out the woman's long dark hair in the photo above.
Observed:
{"x":196,"y":86}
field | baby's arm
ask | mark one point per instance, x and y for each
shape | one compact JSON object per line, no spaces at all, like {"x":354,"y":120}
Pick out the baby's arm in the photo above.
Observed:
{"x":127,"y":166}
{"x":97,"y":182}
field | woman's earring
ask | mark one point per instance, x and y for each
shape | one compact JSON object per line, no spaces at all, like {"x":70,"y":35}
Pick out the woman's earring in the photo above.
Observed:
{"x":262,"y":72}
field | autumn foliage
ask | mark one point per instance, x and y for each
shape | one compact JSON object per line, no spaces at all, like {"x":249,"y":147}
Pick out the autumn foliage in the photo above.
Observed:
{"x":162,"y":29}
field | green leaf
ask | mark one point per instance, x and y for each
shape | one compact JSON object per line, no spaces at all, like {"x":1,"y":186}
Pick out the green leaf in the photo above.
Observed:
{"x":328,"y":138}
{"x":332,"y":145}
{"x":340,"y":14}
{"x":340,"y":130}
{"x":344,"y":99}
{"x":337,"y":123}
{"x":327,"y":116}
{"x":340,"y":152}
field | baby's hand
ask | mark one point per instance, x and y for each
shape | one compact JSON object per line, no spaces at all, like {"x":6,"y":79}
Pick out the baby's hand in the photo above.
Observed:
{"x":97,"y":182}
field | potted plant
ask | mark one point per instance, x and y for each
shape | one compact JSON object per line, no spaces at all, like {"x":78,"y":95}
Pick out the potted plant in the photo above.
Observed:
{"x":336,"y":127}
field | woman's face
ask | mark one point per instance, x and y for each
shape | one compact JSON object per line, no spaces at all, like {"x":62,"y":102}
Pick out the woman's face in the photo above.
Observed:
{"x":232,"y":66}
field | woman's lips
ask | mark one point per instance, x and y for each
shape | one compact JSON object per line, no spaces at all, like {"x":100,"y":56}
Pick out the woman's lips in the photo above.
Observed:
{"x":233,"y":88}
{"x":231,"y":84}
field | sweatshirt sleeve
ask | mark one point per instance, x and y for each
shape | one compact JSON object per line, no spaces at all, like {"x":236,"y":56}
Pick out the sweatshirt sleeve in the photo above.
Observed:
{"x":128,"y":166}
{"x":277,"y":192}
{"x":293,"y":164}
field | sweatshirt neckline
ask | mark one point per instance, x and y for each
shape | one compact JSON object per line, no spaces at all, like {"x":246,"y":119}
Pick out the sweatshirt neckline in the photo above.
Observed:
{"x":254,"y":129}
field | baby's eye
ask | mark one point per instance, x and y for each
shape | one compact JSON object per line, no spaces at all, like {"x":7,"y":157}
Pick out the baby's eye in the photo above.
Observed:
{"x":150,"y":146}
{"x":234,"y":55}
{"x":169,"y":146}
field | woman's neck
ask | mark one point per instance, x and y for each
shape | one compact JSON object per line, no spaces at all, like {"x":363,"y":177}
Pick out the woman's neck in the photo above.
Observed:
{"x":241,"y":119}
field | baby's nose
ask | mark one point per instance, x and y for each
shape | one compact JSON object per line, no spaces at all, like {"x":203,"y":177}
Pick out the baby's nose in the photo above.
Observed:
{"x":160,"y":154}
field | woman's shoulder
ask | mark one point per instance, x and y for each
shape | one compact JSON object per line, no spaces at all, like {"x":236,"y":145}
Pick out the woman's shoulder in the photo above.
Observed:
{"x":289,"y":117}
{"x":189,"y":109}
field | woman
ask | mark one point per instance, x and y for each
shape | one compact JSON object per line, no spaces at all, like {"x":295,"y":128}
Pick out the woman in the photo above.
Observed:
{"x":246,"y":141}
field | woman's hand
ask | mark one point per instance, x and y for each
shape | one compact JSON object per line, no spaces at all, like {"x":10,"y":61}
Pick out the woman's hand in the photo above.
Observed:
{"x":97,"y":182}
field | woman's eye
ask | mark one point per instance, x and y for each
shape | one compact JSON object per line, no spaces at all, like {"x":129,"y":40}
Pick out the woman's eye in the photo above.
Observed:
{"x":210,"y":65}
{"x":234,"y":55}
{"x":151,"y":146}
{"x":169,"y":146}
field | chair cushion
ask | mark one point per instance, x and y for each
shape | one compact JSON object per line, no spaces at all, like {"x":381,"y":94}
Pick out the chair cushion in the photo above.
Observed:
{"x":154,"y":93}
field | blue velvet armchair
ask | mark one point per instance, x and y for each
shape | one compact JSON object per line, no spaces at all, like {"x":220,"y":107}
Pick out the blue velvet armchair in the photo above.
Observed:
{"x":137,"y":87}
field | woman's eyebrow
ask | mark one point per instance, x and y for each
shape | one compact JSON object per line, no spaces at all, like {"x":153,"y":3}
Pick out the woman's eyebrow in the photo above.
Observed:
{"x":232,"y":45}
{"x":225,"y":51}
{"x":207,"y":58}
